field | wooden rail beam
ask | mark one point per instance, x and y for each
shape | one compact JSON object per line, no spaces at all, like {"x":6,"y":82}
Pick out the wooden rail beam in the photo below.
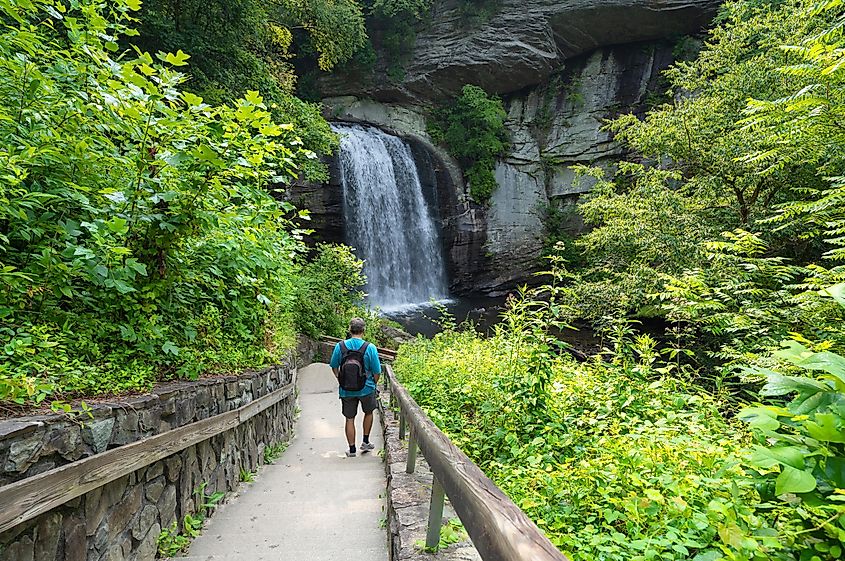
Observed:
{"x":384,"y":354}
{"x":30,"y":497}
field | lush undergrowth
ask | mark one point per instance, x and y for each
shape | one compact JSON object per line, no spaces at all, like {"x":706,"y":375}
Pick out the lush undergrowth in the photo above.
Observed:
{"x":630,"y":459}
{"x":611,"y":461}
{"x":138,"y":238}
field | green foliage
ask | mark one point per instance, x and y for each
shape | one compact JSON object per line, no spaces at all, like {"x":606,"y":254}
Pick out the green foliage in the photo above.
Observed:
{"x":450,"y":533}
{"x":477,"y":12}
{"x":749,"y":301}
{"x":708,"y":162}
{"x":473,"y":130}
{"x":613,"y":460}
{"x":800,"y":452}
{"x":330,"y":285}
{"x":171,"y":541}
{"x":803,"y":127}
{"x":244,"y":45}
{"x":618,"y":255}
{"x":137,"y":237}
{"x":246,"y":476}
{"x":390,"y":8}
{"x":273,"y":452}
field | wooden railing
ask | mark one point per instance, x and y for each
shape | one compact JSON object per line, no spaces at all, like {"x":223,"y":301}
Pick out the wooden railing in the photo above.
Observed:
{"x":26,"y":499}
{"x":498,"y":528}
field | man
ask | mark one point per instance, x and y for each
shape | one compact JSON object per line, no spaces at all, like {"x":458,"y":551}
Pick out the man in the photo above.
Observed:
{"x":365,"y":396}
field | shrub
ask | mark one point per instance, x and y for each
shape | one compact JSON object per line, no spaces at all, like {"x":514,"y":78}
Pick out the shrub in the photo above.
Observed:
{"x":137,"y":238}
{"x":473,"y":130}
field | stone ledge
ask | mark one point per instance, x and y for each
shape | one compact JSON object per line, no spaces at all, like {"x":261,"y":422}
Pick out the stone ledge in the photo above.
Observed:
{"x":121,"y":520}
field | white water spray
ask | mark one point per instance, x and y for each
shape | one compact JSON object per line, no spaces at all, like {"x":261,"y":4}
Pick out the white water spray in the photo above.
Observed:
{"x":388,"y":221}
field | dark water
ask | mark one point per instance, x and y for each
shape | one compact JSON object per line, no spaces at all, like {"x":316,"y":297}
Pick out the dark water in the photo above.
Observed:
{"x":483,"y":312}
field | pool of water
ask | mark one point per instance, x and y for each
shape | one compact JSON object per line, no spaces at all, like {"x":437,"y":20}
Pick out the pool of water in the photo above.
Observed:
{"x":483,"y":312}
{"x":425,"y":319}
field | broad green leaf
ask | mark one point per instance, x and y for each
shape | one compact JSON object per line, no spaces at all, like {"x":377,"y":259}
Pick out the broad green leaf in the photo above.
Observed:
{"x":760,"y":418}
{"x":793,"y":480}
{"x":790,"y":456}
{"x":826,"y":427}
{"x":178,"y":59}
{"x":837,"y":291}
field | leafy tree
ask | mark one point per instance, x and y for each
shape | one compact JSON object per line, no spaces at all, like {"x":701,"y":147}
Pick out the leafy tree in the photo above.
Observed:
{"x":137,"y":236}
{"x":706,"y":169}
{"x":805,"y":126}
{"x":473,"y":130}
{"x":249,"y":45}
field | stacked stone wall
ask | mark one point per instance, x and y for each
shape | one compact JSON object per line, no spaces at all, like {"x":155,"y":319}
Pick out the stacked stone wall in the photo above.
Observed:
{"x":122,"y":519}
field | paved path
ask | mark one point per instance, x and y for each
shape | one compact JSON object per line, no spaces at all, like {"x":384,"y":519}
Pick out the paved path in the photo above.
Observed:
{"x":314,"y":503}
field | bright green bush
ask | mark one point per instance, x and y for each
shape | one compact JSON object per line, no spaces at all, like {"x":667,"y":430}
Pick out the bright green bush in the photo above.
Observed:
{"x":800,"y":452}
{"x":613,"y":461}
{"x":473,"y":130}
{"x":137,"y":237}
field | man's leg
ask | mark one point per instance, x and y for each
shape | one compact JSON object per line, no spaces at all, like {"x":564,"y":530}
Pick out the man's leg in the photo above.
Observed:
{"x":350,"y":410}
{"x":368,"y":404}
{"x":350,"y":430}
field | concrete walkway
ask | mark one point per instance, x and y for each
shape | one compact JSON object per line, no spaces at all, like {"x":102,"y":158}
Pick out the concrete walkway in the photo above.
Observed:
{"x":313,"y":503}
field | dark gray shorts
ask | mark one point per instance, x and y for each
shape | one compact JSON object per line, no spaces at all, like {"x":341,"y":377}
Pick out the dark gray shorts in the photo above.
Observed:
{"x":350,"y":404}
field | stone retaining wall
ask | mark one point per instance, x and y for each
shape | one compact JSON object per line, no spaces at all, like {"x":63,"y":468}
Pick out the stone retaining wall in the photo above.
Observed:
{"x":408,"y":499}
{"x":123,"y":519}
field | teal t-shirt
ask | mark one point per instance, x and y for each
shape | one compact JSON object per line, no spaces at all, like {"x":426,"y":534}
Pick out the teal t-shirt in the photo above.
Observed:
{"x":372,"y":365}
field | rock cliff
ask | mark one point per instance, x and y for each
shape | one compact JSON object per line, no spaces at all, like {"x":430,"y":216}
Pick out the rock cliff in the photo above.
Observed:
{"x":562,"y":68}
{"x":521,"y":45}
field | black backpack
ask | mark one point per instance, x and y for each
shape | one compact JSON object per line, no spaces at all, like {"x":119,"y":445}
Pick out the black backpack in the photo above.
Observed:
{"x":352,"y":376}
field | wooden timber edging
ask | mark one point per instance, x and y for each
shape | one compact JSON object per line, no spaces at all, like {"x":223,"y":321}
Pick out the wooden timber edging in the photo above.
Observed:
{"x":384,"y":354}
{"x":498,"y":528}
{"x":30,"y":497}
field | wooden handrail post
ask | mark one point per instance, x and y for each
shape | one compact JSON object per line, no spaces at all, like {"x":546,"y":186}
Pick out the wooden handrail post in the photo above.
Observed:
{"x":412,"y":452}
{"x":435,"y":514}
{"x":402,"y":422}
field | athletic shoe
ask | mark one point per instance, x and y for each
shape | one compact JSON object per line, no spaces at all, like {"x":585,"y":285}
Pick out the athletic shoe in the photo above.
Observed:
{"x":351,"y":454}
{"x":367,"y":446}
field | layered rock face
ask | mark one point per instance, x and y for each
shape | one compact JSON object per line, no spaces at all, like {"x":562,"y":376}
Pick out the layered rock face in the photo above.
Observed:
{"x":521,"y":45}
{"x":563,"y":69}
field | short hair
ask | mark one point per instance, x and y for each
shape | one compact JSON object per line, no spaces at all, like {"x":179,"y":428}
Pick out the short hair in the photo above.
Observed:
{"x":356,"y":326}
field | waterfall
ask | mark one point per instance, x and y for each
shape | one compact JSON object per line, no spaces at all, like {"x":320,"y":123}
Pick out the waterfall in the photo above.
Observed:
{"x":387,"y":219}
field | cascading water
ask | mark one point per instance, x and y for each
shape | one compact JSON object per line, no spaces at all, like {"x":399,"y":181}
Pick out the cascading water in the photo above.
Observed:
{"x":387,"y":219}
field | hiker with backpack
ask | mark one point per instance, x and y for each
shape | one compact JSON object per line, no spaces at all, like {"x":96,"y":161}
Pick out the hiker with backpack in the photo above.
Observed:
{"x":356,"y":366}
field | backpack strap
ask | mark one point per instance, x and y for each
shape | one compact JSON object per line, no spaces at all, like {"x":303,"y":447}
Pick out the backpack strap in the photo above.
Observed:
{"x":343,"y":349}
